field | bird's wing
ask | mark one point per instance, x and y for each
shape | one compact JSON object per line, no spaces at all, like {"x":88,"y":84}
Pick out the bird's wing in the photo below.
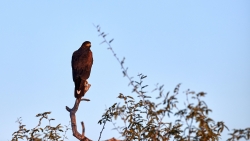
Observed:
{"x":81,"y":64}
{"x":89,"y":61}
{"x":73,"y":65}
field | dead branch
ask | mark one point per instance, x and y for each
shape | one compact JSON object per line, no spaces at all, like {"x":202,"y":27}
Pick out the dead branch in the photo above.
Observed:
{"x":72,"y":112}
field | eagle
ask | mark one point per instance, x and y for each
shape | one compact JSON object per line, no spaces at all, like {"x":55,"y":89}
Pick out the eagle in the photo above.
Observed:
{"x":81,"y":64}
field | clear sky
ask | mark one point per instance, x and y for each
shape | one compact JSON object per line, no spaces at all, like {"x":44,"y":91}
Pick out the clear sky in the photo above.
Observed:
{"x":205,"y":45}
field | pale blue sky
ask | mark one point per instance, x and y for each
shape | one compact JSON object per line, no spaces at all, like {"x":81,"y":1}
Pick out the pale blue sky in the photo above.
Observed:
{"x":205,"y":45}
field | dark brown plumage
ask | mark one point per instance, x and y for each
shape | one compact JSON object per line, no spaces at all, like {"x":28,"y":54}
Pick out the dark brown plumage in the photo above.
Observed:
{"x":81,"y":63}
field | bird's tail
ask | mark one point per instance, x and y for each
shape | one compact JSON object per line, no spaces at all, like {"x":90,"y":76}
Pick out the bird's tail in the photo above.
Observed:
{"x":79,"y":87}
{"x":77,"y":90}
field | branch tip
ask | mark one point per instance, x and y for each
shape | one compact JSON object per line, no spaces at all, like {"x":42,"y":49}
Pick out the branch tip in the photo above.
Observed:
{"x":85,"y":99}
{"x":68,"y":109}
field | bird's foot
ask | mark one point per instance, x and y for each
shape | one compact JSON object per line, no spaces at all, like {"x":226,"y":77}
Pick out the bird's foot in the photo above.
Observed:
{"x":87,"y":87}
{"x":86,"y":83}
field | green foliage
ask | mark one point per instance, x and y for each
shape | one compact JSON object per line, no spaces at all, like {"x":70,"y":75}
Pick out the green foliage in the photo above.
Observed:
{"x":147,"y":120}
{"x":150,"y":120}
{"x":47,"y":133}
{"x":240,"y":134}
{"x":144,"y":118}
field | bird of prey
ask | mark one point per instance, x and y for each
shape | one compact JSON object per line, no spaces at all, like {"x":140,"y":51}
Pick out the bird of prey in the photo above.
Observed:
{"x":81,"y":63}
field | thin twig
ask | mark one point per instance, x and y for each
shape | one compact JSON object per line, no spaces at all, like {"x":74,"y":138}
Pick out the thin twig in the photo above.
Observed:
{"x":102,"y":131}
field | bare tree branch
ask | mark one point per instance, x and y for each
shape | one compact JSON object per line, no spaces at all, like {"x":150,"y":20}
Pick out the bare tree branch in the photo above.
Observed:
{"x":72,"y":112}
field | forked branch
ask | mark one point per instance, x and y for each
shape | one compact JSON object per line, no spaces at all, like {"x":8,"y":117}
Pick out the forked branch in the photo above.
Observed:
{"x":72,"y":112}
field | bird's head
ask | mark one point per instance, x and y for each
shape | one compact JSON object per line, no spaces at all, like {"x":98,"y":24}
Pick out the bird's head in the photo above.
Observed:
{"x":86,"y":44}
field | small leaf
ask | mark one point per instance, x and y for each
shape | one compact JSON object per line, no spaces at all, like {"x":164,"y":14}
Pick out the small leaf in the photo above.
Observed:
{"x":111,"y":40}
